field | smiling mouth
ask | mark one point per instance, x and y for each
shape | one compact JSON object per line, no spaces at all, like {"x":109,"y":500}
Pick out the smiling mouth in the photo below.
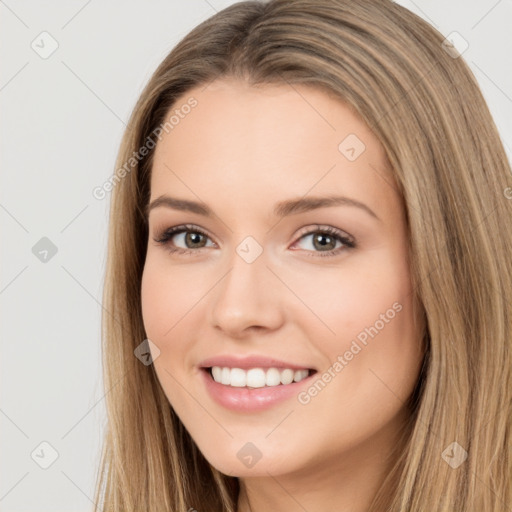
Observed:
{"x":253,"y":378}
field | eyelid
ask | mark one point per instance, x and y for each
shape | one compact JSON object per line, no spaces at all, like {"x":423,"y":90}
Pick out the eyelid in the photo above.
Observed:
{"x":164,"y":235}
{"x":308,"y":230}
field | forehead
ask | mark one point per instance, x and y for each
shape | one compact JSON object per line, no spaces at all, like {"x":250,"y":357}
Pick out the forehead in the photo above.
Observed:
{"x":244,"y":143}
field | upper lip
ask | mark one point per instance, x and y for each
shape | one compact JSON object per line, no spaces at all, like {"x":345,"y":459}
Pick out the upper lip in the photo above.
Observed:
{"x":246,"y":362}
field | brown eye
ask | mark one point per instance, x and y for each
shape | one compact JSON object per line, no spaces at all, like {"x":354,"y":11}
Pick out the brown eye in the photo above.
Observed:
{"x":191,"y":237}
{"x":324,"y":241}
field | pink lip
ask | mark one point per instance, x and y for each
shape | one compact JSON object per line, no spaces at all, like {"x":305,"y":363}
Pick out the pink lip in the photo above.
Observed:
{"x":250,"y":399}
{"x":249,"y":362}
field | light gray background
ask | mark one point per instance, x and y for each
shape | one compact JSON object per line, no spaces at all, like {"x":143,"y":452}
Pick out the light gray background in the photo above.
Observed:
{"x":62,"y":121}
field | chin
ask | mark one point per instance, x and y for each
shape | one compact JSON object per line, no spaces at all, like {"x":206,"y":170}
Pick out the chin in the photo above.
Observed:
{"x":241,"y":459}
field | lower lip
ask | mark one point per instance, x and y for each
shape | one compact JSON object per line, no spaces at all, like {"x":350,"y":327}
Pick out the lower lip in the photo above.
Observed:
{"x":247,"y":399}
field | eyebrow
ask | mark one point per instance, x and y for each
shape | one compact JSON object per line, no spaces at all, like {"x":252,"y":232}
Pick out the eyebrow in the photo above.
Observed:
{"x":281,"y":209}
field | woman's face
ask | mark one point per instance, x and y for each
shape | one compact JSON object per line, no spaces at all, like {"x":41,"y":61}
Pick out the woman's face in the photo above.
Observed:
{"x":301,"y":302}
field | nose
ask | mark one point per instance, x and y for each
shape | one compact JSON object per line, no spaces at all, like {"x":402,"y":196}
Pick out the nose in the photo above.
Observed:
{"x":248,"y":298}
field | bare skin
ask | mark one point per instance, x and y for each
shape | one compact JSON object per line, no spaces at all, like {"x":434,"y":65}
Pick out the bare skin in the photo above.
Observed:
{"x":241,"y":150}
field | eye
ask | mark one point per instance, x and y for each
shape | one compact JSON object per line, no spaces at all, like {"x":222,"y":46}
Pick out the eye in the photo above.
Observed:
{"x":192,"y":236}
{"x":325,"y":239}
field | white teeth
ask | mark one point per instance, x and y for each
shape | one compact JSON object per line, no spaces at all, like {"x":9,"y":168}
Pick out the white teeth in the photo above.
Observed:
{"x":225,"y":376}
{"x":287,"y":376}
{"x":273,"y":377}
{"x":256,"y":377}
{"x":299,"y":375}
{"x":238,"y":378}
{"x":217,"y":373}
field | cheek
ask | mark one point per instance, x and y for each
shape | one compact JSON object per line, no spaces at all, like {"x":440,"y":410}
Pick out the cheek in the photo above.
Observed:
{"x":369,"y":312}
{"x":168,"y":294}
{"x":348,"y":300}
{"x":155,"y":301}
{"x":164,"y":308}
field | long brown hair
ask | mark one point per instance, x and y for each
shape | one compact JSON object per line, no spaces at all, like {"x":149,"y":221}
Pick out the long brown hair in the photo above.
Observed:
{"x":424,"y":105}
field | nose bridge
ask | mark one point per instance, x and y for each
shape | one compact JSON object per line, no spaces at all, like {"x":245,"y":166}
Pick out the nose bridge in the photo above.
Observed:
{"x":246,"y":297}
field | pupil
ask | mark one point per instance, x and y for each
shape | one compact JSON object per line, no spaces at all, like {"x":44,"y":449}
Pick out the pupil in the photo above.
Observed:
{"x":321,"y":237}
{"x":194,"y":237}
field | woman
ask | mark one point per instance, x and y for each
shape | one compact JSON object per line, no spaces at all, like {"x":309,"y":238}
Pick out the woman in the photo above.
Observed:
{"x":252,"y":372}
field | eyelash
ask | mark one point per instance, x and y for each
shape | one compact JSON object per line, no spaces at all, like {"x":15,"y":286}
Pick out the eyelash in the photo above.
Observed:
{"x":167,"y":234}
